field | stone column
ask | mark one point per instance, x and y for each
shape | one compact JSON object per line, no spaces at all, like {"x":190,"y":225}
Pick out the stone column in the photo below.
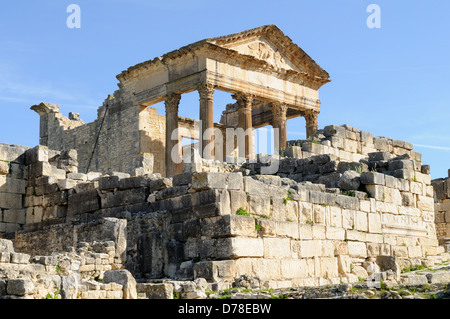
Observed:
{"x":279,"y":111}
{"x":172,"y":101}
{"x":245,"y":102}
{"x":311,"y":122}
{"x":206,"y":92}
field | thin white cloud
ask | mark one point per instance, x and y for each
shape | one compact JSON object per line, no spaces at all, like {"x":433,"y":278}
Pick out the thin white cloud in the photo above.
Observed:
{"x":433,"y":147}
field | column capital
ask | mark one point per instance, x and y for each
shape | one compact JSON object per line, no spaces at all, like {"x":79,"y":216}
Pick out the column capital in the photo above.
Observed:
{"x":172,"y":101}
{"x":244,"y":100}
{"x":279,"y":110}
{"x":205,"y":90}
{"x":311,"y":117}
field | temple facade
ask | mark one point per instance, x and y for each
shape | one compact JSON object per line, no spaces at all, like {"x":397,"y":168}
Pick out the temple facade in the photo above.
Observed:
{"x":269,"y":76}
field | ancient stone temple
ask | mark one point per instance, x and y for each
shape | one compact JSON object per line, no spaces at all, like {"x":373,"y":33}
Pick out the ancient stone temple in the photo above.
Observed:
{"x":271,"y":78}
{"x":98,"y":211}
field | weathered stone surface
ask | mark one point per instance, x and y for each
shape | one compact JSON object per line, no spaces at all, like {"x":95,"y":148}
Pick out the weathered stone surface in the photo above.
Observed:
{"x":350,"y":180}
{"x":19,"y":286}
{"x":124,"y":278}
{"x":217,"y":180}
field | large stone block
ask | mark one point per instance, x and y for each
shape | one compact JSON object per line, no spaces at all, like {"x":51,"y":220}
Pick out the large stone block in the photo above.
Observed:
{"x":12,"y":185}
{"x":36,"y":154}
{"x":357,"y":249}
{"x":206,"y":180}
{"x":372,"y":178}
{"x":4,"y":168}
{"x":122,"y":277}
{"x":277,"y":247}
{"x":19,"y":286}
{"x":228,"y":225}
{"x":10,"y":201}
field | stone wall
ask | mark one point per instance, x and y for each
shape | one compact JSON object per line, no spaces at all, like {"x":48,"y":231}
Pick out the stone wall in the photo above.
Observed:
{"x":286,"y":221}
{"x":442,"y":210}
{"x":348,"y":143}
{"x":123,"y":139}
{"x":13,"y":185}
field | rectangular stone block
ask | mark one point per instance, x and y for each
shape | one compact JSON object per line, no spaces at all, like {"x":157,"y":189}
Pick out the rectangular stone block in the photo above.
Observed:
{"x":310,"y":248}
{"x":10,"y":201}
{"x":277,"y":247}
{"x":4,"y":168}
{"x":228,"y":225}
{"x":374,"y":223}
{"x":17,"y":216}
{"x":357,"y":249}
{"x":372,"y":178}
{"x":206,"y":180}
{"x":12,"y":185}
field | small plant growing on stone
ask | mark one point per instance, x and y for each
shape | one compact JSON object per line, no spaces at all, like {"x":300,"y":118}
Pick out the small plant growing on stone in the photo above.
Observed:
{"x":257,"y":226}
{"x":242,"y":211}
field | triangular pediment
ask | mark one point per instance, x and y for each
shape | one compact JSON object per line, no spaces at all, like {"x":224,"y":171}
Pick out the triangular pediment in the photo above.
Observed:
{"x":269,"y":44}
{"x":261,"y":49}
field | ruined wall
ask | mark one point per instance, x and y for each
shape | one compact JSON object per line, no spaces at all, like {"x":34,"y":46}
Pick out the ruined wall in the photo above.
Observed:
{"x":116,"y":148}
{"x":442,"y":210}
{"x":282,"y":223}
{"x":13,"y":175}
{"x":348,"y":143}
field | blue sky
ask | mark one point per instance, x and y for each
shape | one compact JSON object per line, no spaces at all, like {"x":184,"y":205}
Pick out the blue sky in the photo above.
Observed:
{"x":392,"y":81}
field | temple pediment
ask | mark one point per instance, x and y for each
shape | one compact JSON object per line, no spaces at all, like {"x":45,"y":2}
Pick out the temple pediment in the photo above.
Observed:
{"x":261,"y":49}
{"x":268,"y":43}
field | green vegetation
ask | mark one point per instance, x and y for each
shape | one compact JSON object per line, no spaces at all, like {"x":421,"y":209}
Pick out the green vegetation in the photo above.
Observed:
{"x":242,"y":211}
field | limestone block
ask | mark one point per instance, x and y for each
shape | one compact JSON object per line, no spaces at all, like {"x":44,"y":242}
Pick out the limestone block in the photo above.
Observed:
{"x":404,"y":174}
{"x":310,"y":248}
{"x":416,"y":188}
{"x":65,"y":184}
{"x":246,"y":247}
{"x":305,"y":231}
{"x":344,"y":264}
{"x":124,"y":278}
{"x":277,"y":247}
{"x":206,"y":180}
{"x":6,"y":246}
{"x":17,"y":216}
{"x":39,"y":153}
{"x":19,"y":286}
{"x":361,"y":221}
{"x":372,"y":178}
{"x":108,"y":182}
{"x":377,"y":191}
{"x":414,"y":251}
{"x":328,"y":267}
{"x":348,"y":219}
{"x":400,"y":251}
{"x":4,"y":168}
{"x":259,"y":205}
{"x":293,"y":268}
{"x":357,"y":249}
{"x":305,"y":212}
{"x":12,"y":185}
{"x":318,"y":231}
{"x":5,"y":257}
{"x":228,"y":225}
{"x":77,"y":176}
{"x":10,"y":201}
{"x":156,"y":291}
{"x":334,"y":233}
{"x":374,"y":223}
{"x":238,"y":199}
{"x":373,"y":249}
{"x":425,"y":203}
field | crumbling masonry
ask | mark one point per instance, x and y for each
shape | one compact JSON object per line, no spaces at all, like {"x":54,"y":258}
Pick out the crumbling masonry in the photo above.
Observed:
{"x":98,"y":211}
